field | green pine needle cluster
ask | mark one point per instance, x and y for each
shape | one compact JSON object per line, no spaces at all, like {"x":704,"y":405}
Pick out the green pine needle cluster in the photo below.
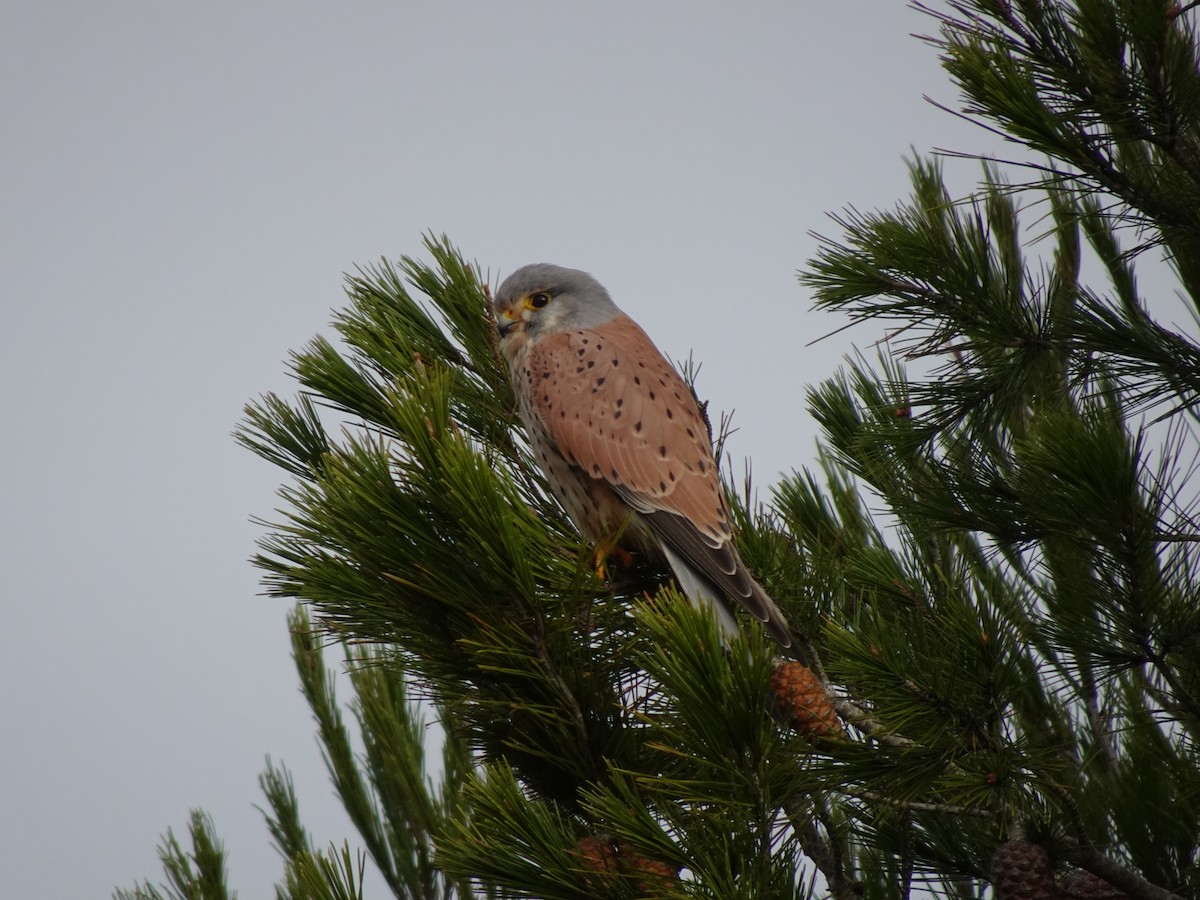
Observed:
{"x":992,"y":563}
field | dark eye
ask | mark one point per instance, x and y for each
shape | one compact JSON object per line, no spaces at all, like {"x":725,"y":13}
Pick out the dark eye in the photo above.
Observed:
{"x":538,"y":300}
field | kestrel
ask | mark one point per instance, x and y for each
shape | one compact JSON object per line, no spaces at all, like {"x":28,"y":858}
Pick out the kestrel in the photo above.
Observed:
{"x":620,"y":437}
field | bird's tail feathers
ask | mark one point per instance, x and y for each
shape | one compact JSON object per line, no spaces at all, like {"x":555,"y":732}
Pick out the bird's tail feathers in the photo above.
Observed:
{"x":701,"y":592}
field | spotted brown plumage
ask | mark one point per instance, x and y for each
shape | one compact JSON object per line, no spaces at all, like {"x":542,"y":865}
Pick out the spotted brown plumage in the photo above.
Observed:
{"x":620,"y":437}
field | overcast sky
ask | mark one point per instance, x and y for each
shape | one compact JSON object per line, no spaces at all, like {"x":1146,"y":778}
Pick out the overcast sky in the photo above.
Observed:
{"x":182,"y":186}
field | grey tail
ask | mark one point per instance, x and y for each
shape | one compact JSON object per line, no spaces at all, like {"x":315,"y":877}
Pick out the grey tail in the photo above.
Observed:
{"x":701,"y":591}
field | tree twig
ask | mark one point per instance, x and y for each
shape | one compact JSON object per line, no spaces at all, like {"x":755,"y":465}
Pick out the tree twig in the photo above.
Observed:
{"x":1133,"y":884}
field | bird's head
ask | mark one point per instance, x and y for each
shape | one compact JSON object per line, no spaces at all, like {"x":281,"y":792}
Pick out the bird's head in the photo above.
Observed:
{"x":541,"y":299}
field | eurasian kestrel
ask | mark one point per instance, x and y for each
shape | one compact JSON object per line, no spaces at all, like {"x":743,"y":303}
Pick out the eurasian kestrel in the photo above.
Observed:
{"x":619,"y":436}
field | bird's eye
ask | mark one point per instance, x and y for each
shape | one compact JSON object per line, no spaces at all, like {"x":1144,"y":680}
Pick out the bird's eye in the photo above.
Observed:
{"x":538,"y":300}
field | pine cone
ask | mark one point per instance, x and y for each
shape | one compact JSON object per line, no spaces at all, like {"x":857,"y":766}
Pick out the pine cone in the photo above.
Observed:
{"x":1083,"y":885}
{"x":607,"y":858}
{"x":656,"y":876}
{"x":1022,"y":871}
{"x":803,"y":702}
{"x":597,"y":855}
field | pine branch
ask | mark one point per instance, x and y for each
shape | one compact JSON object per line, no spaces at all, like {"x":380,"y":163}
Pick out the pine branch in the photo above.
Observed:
{"x":336,"y":748}
{"x":283,"y":818}
{"x":333,"y":875}
{"x":824,"y":854}
{"x":195,"y":874}
{"x":1130,"y":882}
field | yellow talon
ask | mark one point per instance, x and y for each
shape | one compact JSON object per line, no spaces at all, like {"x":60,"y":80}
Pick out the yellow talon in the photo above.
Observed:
{"x":604,"y":550}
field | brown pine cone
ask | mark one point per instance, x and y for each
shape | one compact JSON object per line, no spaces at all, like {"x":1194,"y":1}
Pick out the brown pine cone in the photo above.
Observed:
{"x":1022,"y":871}
{"x":803,"y":702}
{"x":598,"y":855}
{"x":1083,"y":885}
{"x":655,"y":876}
{"x":607,"y":858}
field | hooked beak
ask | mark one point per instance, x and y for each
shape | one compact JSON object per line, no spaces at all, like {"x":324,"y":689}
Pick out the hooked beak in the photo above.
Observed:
{"x":506,"y":322}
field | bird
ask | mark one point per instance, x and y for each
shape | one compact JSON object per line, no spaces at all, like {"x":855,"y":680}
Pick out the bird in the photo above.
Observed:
{"x":620,"y":438}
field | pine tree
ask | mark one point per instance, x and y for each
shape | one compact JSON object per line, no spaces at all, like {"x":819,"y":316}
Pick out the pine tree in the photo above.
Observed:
{"x":994,"y":560}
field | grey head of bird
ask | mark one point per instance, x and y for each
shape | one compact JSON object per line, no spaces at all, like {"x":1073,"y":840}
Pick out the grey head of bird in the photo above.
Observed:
{"x":542,"y":299}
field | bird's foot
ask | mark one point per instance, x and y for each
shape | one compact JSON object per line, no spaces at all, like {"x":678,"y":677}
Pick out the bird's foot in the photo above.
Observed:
{"x":610,"y":551}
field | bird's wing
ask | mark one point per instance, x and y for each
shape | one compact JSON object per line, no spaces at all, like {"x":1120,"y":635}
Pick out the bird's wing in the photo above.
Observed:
{"x":617,"y":410}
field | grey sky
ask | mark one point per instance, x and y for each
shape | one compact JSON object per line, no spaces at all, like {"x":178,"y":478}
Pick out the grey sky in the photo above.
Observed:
{"x":182,"y":187}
